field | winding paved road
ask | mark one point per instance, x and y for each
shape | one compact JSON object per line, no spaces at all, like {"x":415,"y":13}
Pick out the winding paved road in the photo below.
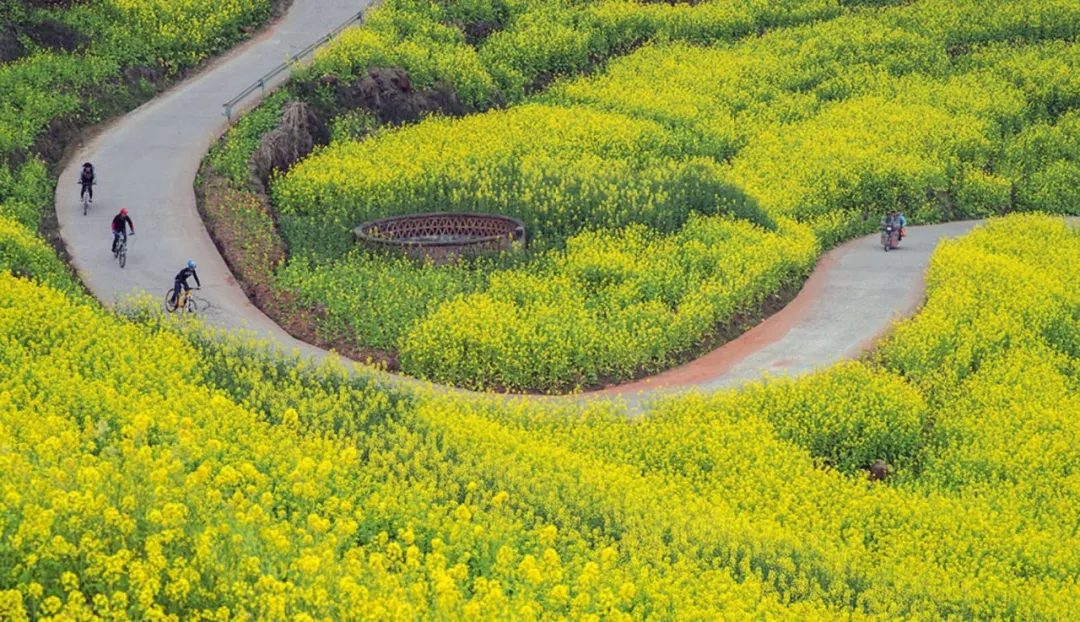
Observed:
{"x":853,"y":296}
{"x":147,"y":162}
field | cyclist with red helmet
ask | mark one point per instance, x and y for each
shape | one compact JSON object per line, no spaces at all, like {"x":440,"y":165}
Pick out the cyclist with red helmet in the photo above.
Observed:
{"x":119,"y":222}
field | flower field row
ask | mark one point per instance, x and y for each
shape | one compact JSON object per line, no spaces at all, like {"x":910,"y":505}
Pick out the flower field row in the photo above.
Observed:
{"x":23,"y":253}
{"x":559,"y":170}
{"x":861,"y":113}
{"x":151,"y":473}
{"x":498,"y":50}
{"x":174,"y":33}
{"x":931,"y":107}
{"x":610,"y":305}
{"x":113,"y":35}
{"x":38,"y":88}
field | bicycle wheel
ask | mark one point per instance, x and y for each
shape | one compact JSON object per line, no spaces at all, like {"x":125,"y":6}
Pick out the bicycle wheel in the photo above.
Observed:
{"x":85,"y":205}
{"x":170,"y":304}
{"x":122,"y":256}
{"x":189,"y":305}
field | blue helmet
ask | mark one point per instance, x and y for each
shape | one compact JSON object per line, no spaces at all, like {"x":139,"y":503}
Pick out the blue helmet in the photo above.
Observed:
{"x":191,"y":264}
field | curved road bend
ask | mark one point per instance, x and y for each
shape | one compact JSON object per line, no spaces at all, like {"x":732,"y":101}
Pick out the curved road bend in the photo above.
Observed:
{"x":853,"y":296}
{"x":147,"y":162}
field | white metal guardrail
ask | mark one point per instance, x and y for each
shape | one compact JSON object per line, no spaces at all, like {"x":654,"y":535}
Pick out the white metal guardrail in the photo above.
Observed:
{"x":294,"y":59}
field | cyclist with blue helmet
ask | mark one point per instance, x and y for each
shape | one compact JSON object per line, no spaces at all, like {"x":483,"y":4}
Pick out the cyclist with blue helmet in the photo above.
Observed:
{"x":181,"y":280}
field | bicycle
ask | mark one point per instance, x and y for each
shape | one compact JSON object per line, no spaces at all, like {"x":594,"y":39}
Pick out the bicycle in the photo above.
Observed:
{"x":185,"y":301}
{"x":85,"y":196}
{"x":120,"y":251}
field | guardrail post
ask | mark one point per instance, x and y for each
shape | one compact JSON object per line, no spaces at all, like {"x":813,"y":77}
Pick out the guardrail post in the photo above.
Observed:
{"x":262,"y":85}
{"x":228,"y":112}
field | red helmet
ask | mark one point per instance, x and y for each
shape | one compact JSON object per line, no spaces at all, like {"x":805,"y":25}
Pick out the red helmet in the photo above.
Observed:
{"x":123,"y":212}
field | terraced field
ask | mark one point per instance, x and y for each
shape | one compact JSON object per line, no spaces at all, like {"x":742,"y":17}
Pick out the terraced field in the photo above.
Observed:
{"x":674,"y":194}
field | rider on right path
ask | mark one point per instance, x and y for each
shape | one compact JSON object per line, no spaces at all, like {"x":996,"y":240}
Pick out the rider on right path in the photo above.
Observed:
{"x":896,"y":219}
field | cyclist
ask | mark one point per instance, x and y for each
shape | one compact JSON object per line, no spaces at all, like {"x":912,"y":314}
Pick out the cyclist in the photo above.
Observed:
{"x":181,"y":281}
{"x":86,"y":180}
{"x":118,"y":231}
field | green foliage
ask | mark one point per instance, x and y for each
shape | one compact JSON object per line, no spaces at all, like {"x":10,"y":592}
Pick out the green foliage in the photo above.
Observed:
{"x":1046,"y":161}
{"x":352,"y":126}
{"x":36,"y":89}
{"x":74,"y":88}
{"x":173,"y":34}
{"x":26,"y":192}
{"x":24,"y":254}
{"x":560,"y":170}
{"x":229,"y":156}
{"x":959,"y":23}
{"x":429,"y":51}
{"x":534,"y":41}
{"x":375,"y":299}
{"x":1044,"y":72}
{"x":866,"y":153}
{"x":848,"y":416}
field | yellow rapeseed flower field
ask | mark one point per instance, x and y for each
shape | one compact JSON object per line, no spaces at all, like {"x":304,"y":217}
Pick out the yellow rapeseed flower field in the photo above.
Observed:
{"x":154,"y":471}
{"x":822,"y":123}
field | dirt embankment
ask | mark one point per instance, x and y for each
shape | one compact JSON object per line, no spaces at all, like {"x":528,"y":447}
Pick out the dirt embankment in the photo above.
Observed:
{"x":297,"y":132}
{"x":387,"y":94}
{"x":241,"y":224}
{"x":45,"y":34}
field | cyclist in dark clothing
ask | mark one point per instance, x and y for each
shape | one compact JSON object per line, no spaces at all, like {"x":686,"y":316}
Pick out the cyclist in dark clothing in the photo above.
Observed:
{"x":181,"y":281}
{"x":118,"y":231}
{"x":86,"y":179}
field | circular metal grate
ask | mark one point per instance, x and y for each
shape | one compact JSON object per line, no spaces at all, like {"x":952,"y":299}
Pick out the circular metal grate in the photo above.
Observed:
{"x":443,"y":236}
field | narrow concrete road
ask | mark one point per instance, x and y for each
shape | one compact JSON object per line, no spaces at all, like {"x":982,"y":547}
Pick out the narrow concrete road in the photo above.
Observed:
{"x":147,"y":162}
{"x":864,"y":291}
